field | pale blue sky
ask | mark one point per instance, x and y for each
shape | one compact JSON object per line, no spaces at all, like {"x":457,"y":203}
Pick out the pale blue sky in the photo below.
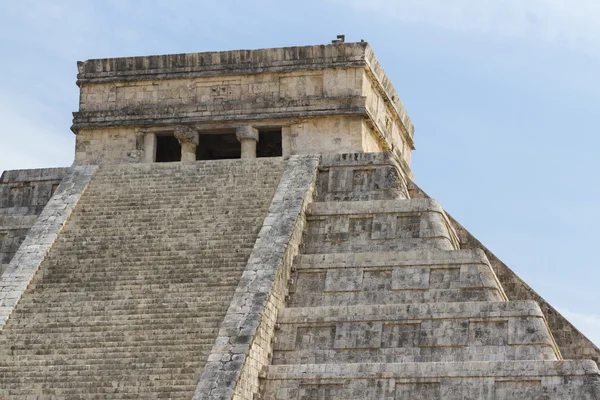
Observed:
{"x":504,"y":95}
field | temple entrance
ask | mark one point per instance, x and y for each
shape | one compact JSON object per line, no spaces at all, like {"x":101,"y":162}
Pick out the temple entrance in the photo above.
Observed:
{"x":218,"y":146}
{"x":168,"y":148}
{"x":269,"y":143}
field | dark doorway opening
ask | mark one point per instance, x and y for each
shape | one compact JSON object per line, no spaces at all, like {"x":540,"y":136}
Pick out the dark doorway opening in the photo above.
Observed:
{"x":218,"y":146}
{"x":269,"y":143}
{"x":168,"y":149}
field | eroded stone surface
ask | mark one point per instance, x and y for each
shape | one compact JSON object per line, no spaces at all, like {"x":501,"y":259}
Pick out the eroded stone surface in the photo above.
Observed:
{"x":23,"y":195}
{"x":128,"y":301}
{"x":244,"y":343}
{"x":381,"y":307}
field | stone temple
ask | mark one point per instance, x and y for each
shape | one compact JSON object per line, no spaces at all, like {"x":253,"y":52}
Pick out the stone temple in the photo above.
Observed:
{"x":245,"y":225}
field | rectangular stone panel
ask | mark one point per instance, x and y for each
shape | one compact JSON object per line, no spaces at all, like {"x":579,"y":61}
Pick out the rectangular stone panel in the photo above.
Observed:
{"x":407,"y":278}
{"x":418,"y":391}
{"x":361,"y":227}
{"x":315,"y":337}
{"x":320,"y":392}
{"x":401,"y":335}
{"x":218,"y":91}
{"x":363,"y":179}
{"x":340,"y":180}
{"x":310,"y":282}
{"x":377,"y":280}
{"x":442,"y":278}
{"x":344,"y":280}
{"x":443,"y":333}
{"x":408,"y":227}
{"x":337,"y":228}
{"x":384,"y":226}
{"x":516,"y":390}
{"x":358,"y":335}
{"x":291,"y":87}
{"x":488,"y":333}
{"x":524,"y":330}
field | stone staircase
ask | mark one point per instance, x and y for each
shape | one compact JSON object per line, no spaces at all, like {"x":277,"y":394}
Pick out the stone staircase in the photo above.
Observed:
{"x":128,"y":302}
{"x":385,"y":305}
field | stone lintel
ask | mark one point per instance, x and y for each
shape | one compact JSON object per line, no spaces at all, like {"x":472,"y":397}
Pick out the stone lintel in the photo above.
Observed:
{"x":293,"y":109}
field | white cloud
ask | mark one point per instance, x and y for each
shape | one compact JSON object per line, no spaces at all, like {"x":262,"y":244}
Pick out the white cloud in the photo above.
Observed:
{"x":568,"y":23}
{"x":588,"y":324}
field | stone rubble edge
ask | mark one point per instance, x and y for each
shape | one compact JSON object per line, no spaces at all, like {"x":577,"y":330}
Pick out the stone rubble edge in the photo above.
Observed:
{"x":244,"y":343}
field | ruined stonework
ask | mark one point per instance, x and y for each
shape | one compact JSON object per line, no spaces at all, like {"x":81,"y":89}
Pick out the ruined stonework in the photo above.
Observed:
{"x":245,"y":225}
{"x":23,"y":195}
{"x":384,"y":304}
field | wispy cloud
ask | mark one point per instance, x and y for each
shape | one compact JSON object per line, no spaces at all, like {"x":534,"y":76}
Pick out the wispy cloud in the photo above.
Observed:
{"x":569,"y":23}
{"x":589,"y":324}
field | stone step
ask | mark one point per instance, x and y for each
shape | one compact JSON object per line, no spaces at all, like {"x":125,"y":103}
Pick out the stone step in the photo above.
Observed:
{"x":156,"y":320}
{"x":171,"y":359}
{"x":548,"y":380}
{"x":417,"y":276}
{"x":142,"y":285}
{"x":376,"y":226}
{"x":124,"y":392}
{"x":183,"y":274}
{"x":194,"y":325}
{"x":123,"y":295}
{"x":31,"y":348}
{"x":167,"y":357}
{"x":115,"y":306}
{"x":148,"y":306}
{"x":431,"y":332}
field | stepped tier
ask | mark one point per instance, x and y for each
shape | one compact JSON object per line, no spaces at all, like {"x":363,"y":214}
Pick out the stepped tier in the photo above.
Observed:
{"x":383,"y":304}
{"x":433,"y":332}
{"x":510,"y":380}
{"x":418,"y":276}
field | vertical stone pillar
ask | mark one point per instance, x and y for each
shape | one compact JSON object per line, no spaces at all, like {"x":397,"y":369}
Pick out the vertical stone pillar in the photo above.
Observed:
{"x":149,"y":147}
{"x":188,"y":139}
{"x":248,"y":137}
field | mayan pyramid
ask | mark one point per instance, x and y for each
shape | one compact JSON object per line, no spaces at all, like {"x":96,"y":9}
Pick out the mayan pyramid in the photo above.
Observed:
{"x":245,"y":225}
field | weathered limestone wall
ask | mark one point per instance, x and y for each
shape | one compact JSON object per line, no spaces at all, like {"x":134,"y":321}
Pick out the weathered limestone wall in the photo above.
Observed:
{"x":384,"y":303}
{"x":332,"y":98}
{"x":23,"y":195}
{"x":40,"y":238}
{"x":324,"y":135}
{"x":573,"y":380}
{"x":572,"y":343}
{"x":109,"y":146}
{"x":215,"y":92}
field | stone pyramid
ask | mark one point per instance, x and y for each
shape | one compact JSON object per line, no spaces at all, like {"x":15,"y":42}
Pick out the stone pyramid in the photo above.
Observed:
{"x":245,"y":225}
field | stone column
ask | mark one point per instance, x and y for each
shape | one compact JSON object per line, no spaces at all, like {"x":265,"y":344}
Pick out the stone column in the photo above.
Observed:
{"x":149,"y":147}
{"x":248,"y":137}
{"x":188,"y":139}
